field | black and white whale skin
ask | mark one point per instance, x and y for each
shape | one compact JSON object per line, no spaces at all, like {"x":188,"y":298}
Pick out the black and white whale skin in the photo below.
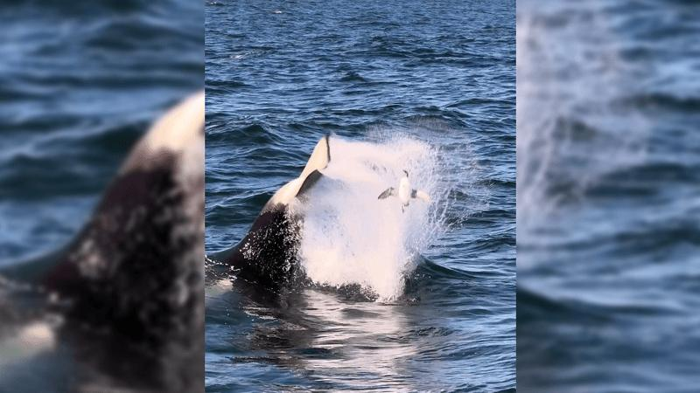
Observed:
{"x":267,"y":255}
{"x":128,"y":291}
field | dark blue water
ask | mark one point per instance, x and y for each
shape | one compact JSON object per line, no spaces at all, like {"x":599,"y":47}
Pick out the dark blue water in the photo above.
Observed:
{"x":608,"y":196}
{"x":80,"y":82}
{"x":279,"y":76}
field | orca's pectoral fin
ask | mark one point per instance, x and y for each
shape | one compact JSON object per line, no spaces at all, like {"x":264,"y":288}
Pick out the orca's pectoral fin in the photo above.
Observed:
{"x":320,"y":157}
{"x":309,"y":182}
{"x":319,"y":160}
{"x":420,"y":195}
{"x":387,"y":193}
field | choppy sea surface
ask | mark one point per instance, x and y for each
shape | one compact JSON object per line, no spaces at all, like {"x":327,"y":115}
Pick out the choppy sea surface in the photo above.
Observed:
{"x":80,"y":82}
{"x":608,"y":196}
{"x":421,"y":300}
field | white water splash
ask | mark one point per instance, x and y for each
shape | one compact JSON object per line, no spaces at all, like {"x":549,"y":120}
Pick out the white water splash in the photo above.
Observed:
{"x":351,"y":237}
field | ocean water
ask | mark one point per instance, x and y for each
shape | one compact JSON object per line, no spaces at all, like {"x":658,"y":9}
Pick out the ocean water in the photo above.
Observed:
{"x":419,"y":300}
{"x":608,"y":196}
{"x":80,"y":82}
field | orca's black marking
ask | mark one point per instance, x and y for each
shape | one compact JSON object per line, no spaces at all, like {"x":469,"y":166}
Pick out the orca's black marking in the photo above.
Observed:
{"x":267,"y":254}
{"x":328,"y":150}
{"x":132,"y":267}
{"x":309,"y":182}
{"x":130,"y":287}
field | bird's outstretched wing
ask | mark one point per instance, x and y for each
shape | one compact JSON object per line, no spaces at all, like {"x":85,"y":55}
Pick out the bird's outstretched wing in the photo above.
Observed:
{"x":420,"y":195}
{"x":387,"y":193}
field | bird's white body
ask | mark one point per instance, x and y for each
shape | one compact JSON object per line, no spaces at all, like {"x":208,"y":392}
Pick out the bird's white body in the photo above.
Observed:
{"x":404,"y":191}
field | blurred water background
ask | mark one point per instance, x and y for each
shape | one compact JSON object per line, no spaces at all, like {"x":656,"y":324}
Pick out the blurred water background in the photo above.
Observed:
{"x":608,"y":221}
{"x":80,"y":82}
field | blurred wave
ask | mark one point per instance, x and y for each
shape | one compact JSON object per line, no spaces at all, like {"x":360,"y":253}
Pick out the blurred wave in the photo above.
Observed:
{"x":608,"y":196}
{"x":79,"y":83}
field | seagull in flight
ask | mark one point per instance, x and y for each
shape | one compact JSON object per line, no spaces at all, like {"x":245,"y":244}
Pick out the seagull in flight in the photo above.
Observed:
{"x":405,"y":193}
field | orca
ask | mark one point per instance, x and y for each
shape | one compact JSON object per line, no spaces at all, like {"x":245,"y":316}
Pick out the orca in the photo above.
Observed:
{"x":267,"y":255}
{"x":127,"y":294}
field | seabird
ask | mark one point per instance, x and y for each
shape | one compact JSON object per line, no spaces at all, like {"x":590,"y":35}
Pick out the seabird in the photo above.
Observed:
{"x":405,"y":192}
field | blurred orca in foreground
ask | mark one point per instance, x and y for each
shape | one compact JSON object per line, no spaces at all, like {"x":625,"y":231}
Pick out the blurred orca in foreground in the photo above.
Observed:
{"x":405,"y":193}
{"x":267,"y":254}
{"x":121,"y":307}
